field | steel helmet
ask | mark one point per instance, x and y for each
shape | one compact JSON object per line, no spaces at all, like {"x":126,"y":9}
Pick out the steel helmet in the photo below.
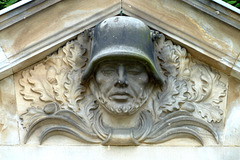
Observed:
{"x":122,"y":38}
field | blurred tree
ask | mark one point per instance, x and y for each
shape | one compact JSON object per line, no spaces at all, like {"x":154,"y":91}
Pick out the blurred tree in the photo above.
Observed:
{"x":6,"y":3}
{"x":235,"y":3}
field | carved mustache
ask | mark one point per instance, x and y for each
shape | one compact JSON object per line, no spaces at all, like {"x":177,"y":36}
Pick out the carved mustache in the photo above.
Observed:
{"x":121,"y":93}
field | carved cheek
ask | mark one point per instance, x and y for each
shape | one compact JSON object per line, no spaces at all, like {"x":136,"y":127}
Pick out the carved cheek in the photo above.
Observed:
{"x":138,"y":83}
{"x":100,"y":80}
{"x":104,"y":83}
{"x":99,"y":77}
{"x":142,"y":80}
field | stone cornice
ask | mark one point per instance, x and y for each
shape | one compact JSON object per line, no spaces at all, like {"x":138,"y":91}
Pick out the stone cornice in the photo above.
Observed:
{"x":218,"y":11}
{"x":26,"y":10}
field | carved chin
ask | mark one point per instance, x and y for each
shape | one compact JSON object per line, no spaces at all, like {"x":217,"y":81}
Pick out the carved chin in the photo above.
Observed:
{"x":117,"y":108}
{"x":121,"y":109}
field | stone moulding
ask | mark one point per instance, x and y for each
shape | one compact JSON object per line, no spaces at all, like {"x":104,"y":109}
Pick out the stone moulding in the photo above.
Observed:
{"x":218,"y":11}
{"x":188,"y":101}
{"x":22,"y":12}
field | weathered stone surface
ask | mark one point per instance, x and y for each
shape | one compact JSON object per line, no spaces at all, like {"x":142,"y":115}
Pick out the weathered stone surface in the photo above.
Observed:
{"x":8,"y":117}
{"x":218,"y":9}
{"x":232,"y":125}
{"x":236,"y":68}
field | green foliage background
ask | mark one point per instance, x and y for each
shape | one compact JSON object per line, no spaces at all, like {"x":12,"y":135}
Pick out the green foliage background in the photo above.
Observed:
{"x":6,"y":3}
{"x":235,"y":3}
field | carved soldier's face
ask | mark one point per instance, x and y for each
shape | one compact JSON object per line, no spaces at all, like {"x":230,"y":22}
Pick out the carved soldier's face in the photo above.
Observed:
{"x":120,"y":87}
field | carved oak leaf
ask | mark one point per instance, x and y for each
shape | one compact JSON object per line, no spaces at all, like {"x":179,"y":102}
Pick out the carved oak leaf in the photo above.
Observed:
{"x":169,"y":60}
{"x":57,"y":75}
{"x":40,"y":83}
{"x":173,"y":58}
{"x":59,"y":89}
{"x":76,"y":51}
{"x":26,"y":91}
{"x":203,"y":88}
{"x":172,"y":94}
{"x":182,"y":61}
{"x":206,"y":92}
{"x":153,"y":106}
{"x":74,"y":90}
{"x":32,"y":114}
{"x":56,"y":60}
{"x":209,"y":111}
{"x":219,"y":86}
{"x":86,"y":110}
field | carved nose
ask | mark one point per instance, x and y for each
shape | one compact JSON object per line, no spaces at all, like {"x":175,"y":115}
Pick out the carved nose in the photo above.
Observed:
{"x":121,"y":83}
{"x":122,"y":79}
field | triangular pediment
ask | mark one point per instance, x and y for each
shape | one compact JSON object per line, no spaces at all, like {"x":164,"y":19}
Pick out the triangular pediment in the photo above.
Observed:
{"x":31,"y":39}
{"x":183,"y":92}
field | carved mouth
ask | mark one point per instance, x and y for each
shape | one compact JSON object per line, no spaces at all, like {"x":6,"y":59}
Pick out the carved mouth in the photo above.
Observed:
{"x":120,"y":96}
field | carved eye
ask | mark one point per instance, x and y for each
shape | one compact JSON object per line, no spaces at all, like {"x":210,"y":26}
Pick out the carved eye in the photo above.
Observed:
{"x":134,"y":72}
{"x":108,"y":72}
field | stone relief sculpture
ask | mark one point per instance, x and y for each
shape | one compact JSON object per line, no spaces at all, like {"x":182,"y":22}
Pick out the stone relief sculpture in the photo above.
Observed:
{"x":122,"y":84}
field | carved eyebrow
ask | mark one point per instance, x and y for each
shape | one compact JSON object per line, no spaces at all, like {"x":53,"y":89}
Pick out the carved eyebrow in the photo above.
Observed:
{"x":107,"y":66}
{"x":137,"y":67}
{"x":128,"y":65}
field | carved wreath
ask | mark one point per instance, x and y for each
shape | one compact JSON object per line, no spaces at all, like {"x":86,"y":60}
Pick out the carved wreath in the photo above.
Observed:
{"x":60,"y":103}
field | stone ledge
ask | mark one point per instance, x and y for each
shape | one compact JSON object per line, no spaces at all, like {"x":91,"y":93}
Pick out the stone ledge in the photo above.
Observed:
{"x":118,"y":153}
{"x":218,"y":11}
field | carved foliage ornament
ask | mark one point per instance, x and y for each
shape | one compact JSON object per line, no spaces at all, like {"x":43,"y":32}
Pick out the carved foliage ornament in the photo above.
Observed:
{"x":134,"y":87}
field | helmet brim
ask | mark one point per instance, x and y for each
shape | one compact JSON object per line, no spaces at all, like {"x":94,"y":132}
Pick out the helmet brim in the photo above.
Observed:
{"x":123,"y":53}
